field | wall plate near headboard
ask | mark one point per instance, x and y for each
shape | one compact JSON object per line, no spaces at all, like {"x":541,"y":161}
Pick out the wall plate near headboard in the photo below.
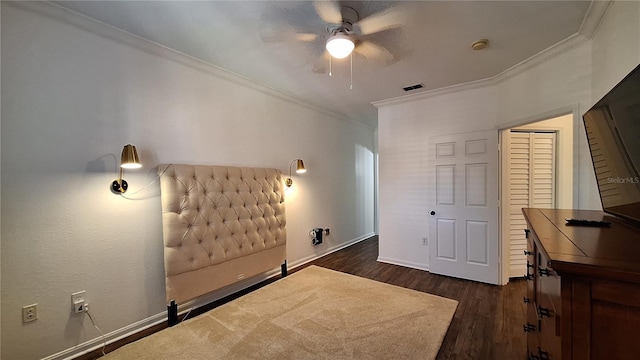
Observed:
{"x":220,"y":224}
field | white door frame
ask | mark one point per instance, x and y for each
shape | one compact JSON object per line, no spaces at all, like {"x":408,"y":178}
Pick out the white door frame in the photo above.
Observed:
{"x":574,"y":110}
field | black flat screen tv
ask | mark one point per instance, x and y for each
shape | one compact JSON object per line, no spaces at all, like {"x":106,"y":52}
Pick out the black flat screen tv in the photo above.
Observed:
{"x":613,"y":132}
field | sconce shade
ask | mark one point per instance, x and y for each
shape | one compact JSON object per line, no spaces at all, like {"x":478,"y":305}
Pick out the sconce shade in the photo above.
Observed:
{"x":340,"y":45}
{"x":300,"y":167}
{"x":130,"y":158}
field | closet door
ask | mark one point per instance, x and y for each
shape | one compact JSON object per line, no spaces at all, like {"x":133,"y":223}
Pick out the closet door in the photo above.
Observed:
{"x":532,"y":183}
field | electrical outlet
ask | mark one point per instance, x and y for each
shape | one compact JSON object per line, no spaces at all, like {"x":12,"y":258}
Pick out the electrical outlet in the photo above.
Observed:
{"x":425,"y":241}
{"x":77,"y":297}
{"x":80,"y":307}
{"x":78,"y":302}
{"x":29,"y":313}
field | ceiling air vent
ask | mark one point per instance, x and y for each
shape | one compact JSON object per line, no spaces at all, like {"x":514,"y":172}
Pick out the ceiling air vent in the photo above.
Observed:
{"x":413,"y":87}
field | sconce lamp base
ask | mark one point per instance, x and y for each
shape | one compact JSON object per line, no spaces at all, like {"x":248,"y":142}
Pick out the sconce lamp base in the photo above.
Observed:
{"x":119,"y":186}
{"x":288,"y":182}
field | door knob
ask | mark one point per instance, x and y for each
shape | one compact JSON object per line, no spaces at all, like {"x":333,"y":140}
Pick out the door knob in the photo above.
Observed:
{"x":432,"y":213}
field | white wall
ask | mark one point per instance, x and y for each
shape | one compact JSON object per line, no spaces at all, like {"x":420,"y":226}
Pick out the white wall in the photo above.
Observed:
{"x":569,"y":81}
{"x":404,"y":130}
{"x":70,"y":100}
{"x":616,"y":47}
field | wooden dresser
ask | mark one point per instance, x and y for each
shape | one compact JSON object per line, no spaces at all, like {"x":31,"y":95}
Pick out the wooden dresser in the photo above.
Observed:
{"x":583,"y":296}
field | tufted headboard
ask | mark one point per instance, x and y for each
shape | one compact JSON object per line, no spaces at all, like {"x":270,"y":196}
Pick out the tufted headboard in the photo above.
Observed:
{"x":220,"y":225}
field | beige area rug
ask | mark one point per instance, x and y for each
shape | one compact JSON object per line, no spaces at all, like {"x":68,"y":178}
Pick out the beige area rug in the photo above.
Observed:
{"x":314,"y":313}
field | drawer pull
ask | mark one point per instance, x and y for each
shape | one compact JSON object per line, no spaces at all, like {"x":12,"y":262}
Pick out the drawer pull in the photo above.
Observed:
{"x":542,"y":312}
{"x":544,"y":272}
{"x":527,"y":300}
{"x":526,"y":233}
{"x":543,"y":354}
{"x":526,"y":252}
{"x":533,"y":356}
{"x":528,"y":327}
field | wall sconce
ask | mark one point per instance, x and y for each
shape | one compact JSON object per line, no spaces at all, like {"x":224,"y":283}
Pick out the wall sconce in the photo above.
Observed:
{"x":129,"y":160}
{"x":299,"y":169}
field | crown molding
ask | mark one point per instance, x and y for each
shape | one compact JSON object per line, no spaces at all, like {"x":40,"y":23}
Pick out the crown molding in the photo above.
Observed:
{"x":589,"y":27}
{"x":97,"y":27}
{"x":595,"y":14}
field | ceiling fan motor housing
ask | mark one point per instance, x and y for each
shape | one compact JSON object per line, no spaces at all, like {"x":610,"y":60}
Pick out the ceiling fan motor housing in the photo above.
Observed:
{"x":349,"y":17}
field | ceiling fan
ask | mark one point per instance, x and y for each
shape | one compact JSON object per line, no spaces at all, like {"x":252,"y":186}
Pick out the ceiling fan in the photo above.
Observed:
{"x":346,"y":32}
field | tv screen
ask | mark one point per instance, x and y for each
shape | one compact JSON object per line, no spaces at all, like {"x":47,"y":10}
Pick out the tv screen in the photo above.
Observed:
{"x":613,"y":132}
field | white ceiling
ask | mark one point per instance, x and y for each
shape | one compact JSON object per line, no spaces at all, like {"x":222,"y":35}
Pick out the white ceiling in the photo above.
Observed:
{"x":255,"y":39}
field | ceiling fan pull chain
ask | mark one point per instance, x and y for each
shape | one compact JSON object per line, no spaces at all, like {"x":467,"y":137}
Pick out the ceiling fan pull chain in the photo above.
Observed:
{"x":351,"y":85}
{"x":330,"y":65}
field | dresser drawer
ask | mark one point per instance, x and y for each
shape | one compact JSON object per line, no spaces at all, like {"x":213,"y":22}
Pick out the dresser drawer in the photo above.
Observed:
{"x":532,"y":325}
{"x":548,"y":282}
{"x":548,"y":329}
{"x":531,"y":266}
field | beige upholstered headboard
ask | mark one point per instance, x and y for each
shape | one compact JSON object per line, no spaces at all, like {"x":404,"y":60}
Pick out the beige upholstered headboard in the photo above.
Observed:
{"x":220,"y":225}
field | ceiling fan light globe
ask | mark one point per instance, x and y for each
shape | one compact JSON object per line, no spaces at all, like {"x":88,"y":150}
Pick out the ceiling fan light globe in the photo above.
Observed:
{"x":340,"y":46}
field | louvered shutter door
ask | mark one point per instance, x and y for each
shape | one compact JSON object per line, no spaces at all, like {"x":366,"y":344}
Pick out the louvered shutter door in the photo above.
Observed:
{"x":531,"y":184}
{"x":542,"y":167}
{"x":519,"y":155}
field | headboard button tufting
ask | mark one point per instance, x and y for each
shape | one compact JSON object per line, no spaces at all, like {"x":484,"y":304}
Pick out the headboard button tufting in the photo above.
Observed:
{"x":243,"y":211}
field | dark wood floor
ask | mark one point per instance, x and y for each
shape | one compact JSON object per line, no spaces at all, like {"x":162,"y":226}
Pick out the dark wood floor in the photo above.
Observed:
{"x":489,"y":318}
{"x":487,"y":323}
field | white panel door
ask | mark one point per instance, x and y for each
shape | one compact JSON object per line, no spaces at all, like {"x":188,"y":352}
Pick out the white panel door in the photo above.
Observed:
{"x":463,"y":199}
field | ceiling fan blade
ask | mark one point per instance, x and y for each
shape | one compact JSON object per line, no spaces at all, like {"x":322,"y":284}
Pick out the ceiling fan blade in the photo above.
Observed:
{"x":329,"y":11}
{"x":375,"y":52}
{"x":284,"y":33}
{"x":305,"y":37}
{"x":322,"y":64}
{"x":383,"y":20}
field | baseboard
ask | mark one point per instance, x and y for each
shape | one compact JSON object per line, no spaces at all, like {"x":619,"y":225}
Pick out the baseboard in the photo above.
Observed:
{"x":404,"y":263}
{"x":328,"y":251}
{"x":97,"y":343}
{"x":142,"y":325}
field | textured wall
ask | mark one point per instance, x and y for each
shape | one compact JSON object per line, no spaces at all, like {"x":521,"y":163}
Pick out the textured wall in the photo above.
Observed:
{"x":70,"y":100}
